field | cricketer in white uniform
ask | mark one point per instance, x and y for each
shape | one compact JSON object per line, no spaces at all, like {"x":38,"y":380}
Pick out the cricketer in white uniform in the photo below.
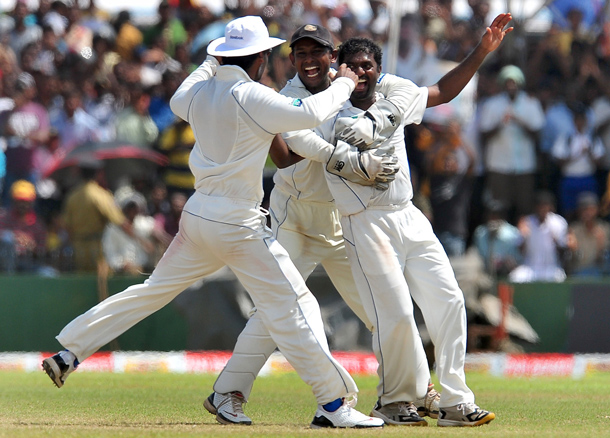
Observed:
{"x":234,"y":120}
{"x":395,"y":256}
{"x":304,"y":218}
{"x":241,"y":371}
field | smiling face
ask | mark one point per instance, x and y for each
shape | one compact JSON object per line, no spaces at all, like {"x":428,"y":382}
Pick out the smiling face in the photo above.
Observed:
{"x":367,"y":69}
{"x":312,"y":62}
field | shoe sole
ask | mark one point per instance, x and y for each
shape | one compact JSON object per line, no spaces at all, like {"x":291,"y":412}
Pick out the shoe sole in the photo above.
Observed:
{"x":50,"y":367}
{"x":207,"y":404}
{"x":455,"y":423}
{"x":315,"y":426}
{"x":391,"y":422}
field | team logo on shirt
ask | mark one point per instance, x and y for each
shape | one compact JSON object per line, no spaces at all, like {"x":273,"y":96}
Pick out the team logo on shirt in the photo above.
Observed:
{"x":297,"y":102}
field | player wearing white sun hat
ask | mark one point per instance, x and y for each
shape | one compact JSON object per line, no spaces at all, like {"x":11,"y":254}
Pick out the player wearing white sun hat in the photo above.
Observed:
{"x":235,"y":119}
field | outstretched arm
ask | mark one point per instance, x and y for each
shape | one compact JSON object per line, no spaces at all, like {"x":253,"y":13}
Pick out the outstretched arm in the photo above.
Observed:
{"x":453,"y":82}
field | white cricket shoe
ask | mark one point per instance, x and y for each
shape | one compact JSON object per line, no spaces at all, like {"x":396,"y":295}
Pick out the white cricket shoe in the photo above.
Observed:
{"x":344,"y":417}
{"x":59,"y":366}
{"x":464,"y":414}
{"x":428,"y":406}
{"x":228,"y":408}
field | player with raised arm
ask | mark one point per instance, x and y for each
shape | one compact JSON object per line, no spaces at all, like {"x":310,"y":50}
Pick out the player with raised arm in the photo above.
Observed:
{"x":394,"y":253}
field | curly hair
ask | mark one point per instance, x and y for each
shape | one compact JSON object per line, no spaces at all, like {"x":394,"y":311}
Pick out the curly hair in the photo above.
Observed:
{"x":357,"y":45}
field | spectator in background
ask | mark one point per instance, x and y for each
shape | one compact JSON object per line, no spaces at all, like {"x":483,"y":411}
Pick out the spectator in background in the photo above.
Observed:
{"x":104,"y":58}
{"x":124,"y":253}
{"x":73,"y":124}
{"x":103,"y":105}
{"x":78,"y":37}
{"x":498,"y":242}
{"x":177,"y":142}
{"x":23,"y":234}
{"x":588,"y":239}
{"x":22,"y":32}
{"x":168,"y":27}
{"x":54,"y":15}
{"x":578,"y":155}
{"x":134,"y":124}
{"x":478,"y":20}
{"x":510,"y":122}
{"x":28,"y":56}
{"x":159,"y":108}
{"x":555,"y":96}
{"x":600,"y":107}
{"x":415,"y":61}
{"x":48,"y":57}
{"x":157,"y":199}
{"x":128,"y":36}
{"x":168,"y":222}
{"x":450,"y":169}
{"x":88,"y":208}
{"x":544,"y":235}
{"x":27,"y":128}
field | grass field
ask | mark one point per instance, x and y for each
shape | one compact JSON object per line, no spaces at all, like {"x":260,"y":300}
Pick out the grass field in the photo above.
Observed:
{"x":170,"y":405}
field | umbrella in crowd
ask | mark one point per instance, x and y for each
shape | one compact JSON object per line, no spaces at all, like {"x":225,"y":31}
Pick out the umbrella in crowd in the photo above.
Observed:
{"x":122,"y":161}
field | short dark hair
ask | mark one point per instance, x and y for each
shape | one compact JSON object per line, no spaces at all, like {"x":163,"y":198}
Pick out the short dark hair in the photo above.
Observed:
{"x":245,"y":62}
{"x":357,"y":45}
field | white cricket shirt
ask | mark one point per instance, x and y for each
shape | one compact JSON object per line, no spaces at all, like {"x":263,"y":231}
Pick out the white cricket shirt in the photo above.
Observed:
{"x":234,"y":120}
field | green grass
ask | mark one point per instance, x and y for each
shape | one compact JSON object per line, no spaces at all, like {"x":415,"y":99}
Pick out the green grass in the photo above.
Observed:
{"x":170,"y":405}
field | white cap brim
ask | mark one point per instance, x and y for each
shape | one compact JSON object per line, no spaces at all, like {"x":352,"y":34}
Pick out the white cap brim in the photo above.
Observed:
{"x":219,"y":47}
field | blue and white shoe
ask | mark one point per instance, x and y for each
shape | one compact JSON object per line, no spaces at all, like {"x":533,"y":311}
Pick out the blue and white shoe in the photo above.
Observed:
{"x":344,"y":417}
{"x":59,"y":366}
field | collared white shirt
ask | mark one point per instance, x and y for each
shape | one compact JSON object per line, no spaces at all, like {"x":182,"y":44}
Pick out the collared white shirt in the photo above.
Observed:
{"x":543,"y":241}
{"x":234,"y":120}
{"x":580,"y":150}
{"x":511,"y":150}
{"x":306,"y":180}
{"x":352,"y":198}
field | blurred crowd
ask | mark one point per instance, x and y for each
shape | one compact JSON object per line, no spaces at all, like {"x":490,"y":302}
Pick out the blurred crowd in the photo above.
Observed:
{"x":515,"y":170}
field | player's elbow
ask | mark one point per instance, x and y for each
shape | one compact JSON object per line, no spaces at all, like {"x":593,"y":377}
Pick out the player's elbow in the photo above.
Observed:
{"x":178,"y":106}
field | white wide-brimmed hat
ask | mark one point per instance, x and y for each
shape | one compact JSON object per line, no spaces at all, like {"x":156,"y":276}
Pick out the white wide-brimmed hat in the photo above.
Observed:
{"x":244,"y":36}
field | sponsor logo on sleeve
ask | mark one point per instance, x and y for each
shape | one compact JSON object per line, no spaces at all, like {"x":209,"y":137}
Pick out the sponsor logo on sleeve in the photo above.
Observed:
{"x":297,"y":102}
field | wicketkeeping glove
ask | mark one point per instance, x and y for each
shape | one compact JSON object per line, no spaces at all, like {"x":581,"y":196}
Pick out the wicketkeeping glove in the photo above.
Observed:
{"x":371,"y":128}
{"x":363,"y":167}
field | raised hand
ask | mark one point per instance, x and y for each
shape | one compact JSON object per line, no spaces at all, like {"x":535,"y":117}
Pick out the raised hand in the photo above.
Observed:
{"x":345,"y":72}
{"x":496,"y":32}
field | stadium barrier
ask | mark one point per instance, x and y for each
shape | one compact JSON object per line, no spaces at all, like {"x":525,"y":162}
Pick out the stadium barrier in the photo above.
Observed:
{"x":569,"y":317}
{"x":358,"y":363}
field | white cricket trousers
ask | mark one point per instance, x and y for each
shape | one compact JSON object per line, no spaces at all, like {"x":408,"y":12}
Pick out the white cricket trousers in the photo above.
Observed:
{"x":202,"y":246}
{"x":311,"y":234}
{"x":395,"y":256}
